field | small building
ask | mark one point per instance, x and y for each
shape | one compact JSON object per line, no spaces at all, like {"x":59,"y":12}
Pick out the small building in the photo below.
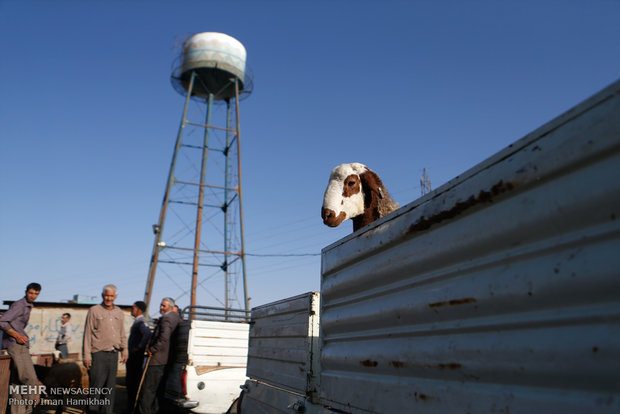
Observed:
{"x":44,"y":324}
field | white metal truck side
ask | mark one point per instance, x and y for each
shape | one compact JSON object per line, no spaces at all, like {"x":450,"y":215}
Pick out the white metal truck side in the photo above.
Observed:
{"x":210,"y":365}
{"x":499,"y":292}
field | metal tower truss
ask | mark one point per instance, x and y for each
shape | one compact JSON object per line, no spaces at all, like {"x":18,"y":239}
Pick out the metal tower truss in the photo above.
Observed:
{"x":199,"y":235}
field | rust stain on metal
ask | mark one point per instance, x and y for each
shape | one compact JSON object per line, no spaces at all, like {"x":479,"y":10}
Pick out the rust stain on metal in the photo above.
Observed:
{"x":369,"y":363}
{"x":453,"y":302}
{"x":440,"y":366}
{"x":483,"y":197}
{"x":451,"y":365}
{"x":205,"y":369}
{"x":421,"y":397}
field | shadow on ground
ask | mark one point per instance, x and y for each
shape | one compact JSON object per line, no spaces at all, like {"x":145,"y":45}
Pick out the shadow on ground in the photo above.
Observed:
{"x":121,"y":405}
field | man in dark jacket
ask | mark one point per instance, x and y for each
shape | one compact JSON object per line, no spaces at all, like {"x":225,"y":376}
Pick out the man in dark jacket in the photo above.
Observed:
{"x":158,"y":351}
{"x":138,"y":337}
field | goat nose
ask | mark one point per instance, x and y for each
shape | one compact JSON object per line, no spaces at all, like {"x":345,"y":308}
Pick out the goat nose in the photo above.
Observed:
{"x":326,"y":213}
{"x":331,"y":219}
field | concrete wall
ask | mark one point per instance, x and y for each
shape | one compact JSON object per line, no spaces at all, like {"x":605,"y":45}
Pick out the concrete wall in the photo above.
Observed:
{"x":44,"y":325}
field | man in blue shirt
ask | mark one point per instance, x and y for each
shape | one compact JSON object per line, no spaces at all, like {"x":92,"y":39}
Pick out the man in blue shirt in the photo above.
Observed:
{"x":138,"y":338}
{"x":13,"y":324}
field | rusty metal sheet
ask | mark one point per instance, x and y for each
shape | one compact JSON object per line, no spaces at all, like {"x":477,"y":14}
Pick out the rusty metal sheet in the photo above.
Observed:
{"x":5,"y":374}
{"x":284,"y":343}
{"x":497,"y":292}
{"x":261,"y":398}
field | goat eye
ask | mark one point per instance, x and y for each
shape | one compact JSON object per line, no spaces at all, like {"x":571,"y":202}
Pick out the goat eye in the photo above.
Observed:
{"x":351,"y":183}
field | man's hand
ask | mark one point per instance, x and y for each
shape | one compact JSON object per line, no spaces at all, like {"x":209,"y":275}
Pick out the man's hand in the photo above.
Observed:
{"x":21,"y":339}
{"x":123,"y":359}
{"x":87,"y":363}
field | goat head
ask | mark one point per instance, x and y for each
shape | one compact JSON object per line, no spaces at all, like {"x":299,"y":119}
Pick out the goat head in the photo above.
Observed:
{"x":354,"y":192}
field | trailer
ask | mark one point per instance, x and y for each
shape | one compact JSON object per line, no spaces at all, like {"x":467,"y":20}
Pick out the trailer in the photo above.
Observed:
{"x":499,"y":292}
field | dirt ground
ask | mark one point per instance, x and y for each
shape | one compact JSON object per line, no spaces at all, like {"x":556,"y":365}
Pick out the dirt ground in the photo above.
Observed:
{"x":120,"y":402}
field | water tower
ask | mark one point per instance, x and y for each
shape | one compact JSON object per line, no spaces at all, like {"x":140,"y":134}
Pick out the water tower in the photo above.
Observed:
{"x":199,"y":236}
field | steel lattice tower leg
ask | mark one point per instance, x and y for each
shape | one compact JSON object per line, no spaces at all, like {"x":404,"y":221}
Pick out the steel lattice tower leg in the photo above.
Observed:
{"x":232,"y":193}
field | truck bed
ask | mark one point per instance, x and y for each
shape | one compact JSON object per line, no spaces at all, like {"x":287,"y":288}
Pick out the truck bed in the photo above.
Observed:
{"x":497,"y":292}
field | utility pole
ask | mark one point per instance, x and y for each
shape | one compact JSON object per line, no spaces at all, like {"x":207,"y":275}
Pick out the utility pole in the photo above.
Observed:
{"x":425,"y":183}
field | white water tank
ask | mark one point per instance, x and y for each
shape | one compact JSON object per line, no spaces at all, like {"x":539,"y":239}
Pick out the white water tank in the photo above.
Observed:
{"x":216,"y":58}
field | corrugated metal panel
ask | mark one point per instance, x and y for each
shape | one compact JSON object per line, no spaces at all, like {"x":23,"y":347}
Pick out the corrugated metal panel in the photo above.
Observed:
{"x":284,"y":344}
{"x":260,"y":398}
{"x":218,"y":344}
{"x":498,"y":292}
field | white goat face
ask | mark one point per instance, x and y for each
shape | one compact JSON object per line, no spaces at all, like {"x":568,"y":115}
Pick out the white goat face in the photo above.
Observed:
{"x":344,"y":198}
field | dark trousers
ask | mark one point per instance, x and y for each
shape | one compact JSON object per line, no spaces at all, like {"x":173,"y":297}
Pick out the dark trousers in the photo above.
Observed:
{"x":133,"y":376}
{"x":103,"y":375}
{"x":147,"y":403}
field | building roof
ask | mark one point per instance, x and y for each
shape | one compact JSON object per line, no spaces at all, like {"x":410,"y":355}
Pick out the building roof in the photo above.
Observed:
{"x":66,"y":305}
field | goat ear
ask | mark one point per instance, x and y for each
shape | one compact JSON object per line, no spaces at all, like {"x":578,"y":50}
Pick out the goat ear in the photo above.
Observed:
{"x":371,"y":183}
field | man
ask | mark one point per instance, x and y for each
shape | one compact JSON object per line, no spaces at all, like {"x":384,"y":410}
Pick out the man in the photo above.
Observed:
{"x":158,"y":352}
{"x":13,"y":324}
{"x":104,"y":340}
{"x":177,"y":310}
{"x":64,"y":335}
{"x":138,"y":337}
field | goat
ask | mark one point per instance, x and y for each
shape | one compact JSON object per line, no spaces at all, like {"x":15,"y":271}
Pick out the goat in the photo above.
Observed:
{"x":355,"y":192}
{"x":67,"y":375}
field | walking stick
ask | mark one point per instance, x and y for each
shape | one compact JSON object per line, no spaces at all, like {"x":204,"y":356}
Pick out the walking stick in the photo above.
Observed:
{"x":146,"y":366}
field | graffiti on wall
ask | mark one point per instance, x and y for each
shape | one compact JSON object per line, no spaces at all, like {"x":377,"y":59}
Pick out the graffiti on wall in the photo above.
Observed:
{"x":44,"y":325}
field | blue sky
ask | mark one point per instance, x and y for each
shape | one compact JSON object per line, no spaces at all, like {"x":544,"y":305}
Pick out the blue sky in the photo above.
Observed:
{"x":88,"y":118}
